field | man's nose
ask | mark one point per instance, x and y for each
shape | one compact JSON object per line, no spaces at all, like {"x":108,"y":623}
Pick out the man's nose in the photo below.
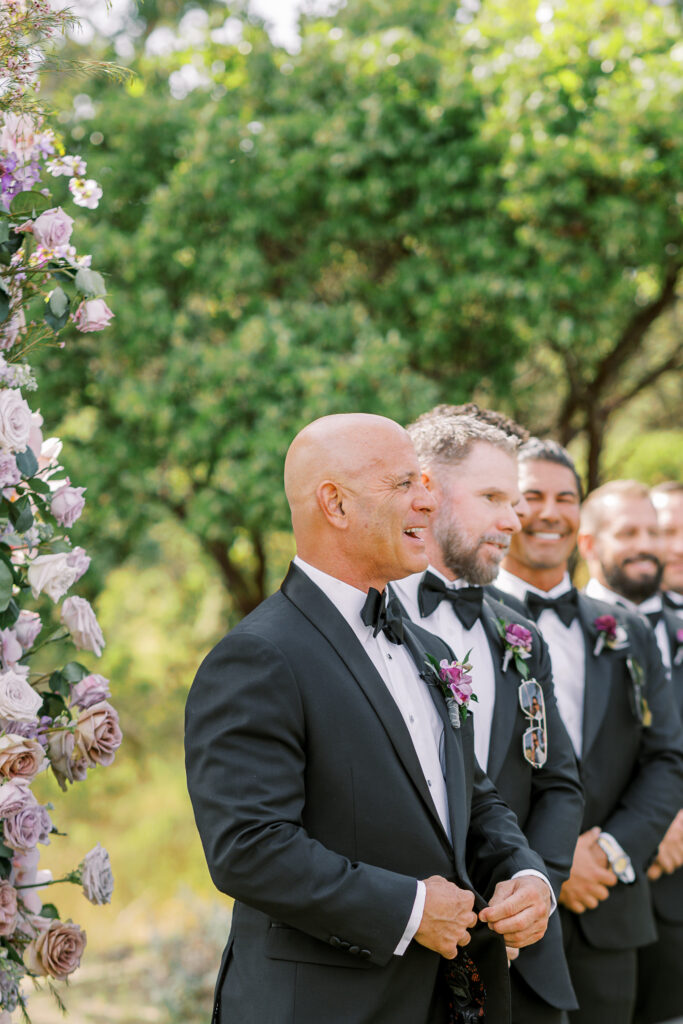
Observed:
{"x":424,"y":500}
{"x":509,"y":521}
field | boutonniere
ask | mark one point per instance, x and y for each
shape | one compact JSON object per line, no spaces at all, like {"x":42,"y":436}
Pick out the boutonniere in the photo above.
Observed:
{"x":454,"y":681}
{"x":678,"y":653}
{"x":642,"y":710}
{"x":610,"y":634}
{"x":517,"y":641}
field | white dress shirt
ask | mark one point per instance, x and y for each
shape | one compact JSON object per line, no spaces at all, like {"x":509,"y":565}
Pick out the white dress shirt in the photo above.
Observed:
{"x":567,"y":649}
{"x":445,"y":623}
{"x":652,"y":604}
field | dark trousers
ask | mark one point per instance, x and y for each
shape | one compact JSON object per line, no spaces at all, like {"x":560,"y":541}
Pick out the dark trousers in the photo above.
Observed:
{"x":604,"y":979}
{"x":528,"y":1007}
{"x":660,"y":977}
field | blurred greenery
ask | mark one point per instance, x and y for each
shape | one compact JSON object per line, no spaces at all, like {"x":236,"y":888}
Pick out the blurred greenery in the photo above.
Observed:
{"x":429,"y":202}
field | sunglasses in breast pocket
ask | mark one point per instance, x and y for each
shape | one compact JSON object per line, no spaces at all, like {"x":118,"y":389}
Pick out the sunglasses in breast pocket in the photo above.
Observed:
{"x":535,"y":738}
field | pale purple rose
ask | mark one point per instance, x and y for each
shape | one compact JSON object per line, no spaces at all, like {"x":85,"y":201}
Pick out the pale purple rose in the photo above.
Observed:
{"x":78,"y":561}
{"x":52,"y":574}
{"x":92,"y":315}
{"x":8,"y":908}
{"x":53,"y":228}
{"x":606,"y":624}
{"x":27,"y":627}
{"x":48,"y":453}
{"x":90,"y":690}
{"x":66,"y":767}
{"x":96,"y":876}
{"x":80,"y":620}
{"x":98,"y":734}
{"x":31,"y":825}
{"x":18,"y":699}
{"x":67,"y":504}
{"x":9,"y":471}
{"x":10,"y":648}
{"x":457,"y":680}
{"x":518,"y":636}
{"x":15,"y":421}
{"x":15,"y":795}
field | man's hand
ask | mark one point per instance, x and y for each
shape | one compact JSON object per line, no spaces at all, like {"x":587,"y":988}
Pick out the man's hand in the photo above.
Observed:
{"x":590,"y":878}
{"x":519,"y":910}
{"x":670,"y":854}
{"x":446,"y":917}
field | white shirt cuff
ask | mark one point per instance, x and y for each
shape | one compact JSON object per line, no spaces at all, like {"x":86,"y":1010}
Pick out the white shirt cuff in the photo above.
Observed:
{"x":538,"y":874}
{"x":413,"y":920}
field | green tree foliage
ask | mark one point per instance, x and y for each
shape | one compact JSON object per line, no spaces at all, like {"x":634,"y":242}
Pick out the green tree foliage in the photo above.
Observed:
{"x":411,"y":209}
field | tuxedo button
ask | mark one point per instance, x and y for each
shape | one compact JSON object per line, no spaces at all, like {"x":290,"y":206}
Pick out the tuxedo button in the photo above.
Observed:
{"x":345,"y":945}
{"x":365,"y":954}
{"x":355,"y":950}
{"x":336,"y":942}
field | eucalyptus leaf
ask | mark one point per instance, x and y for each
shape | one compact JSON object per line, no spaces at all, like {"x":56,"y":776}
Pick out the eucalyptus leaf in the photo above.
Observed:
{"x":6,"y":584}
{"x":90,"y":283}
{"x":73,"y":671}
{"x":27,"y":463}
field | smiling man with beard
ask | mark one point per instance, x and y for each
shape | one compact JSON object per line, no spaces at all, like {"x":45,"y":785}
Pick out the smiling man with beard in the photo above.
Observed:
{"x":617,"y":705}
{"x":621,"y":540}
{"x":470,"y":467}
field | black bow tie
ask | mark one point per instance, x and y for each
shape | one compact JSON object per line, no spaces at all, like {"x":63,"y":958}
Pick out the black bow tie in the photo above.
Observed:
{"x":654,"y":618}
{"x":565,"y":607}
{"x":671,"y":602}
{"x":384,"y":616}
{"x":466,"y":601}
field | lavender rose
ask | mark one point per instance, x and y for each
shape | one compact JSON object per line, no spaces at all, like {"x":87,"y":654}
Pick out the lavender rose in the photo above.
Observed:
{"x":96,"y":876}
{"x":14,"y":797}
{"x":90,"y":690}
{"x":8,"y":907}
{"x":57,"y":951}
{"x":52,"y":574}
{"x":98,"y":734}
{"x":18,"y":699}
{"x":27,"y":827}
{"x":79,"y":619}
{"x":10,"y":648}
{"x":92,"y":315}
{"x":67,"y":504}
{"x":78,"y":561}
{"x":20,"y":758}
{"x":9,"y":472}
{"x":53,"y":228}
{"x":66,"y":766}
{"x":15,"y":421}
{"x":27,"y":627}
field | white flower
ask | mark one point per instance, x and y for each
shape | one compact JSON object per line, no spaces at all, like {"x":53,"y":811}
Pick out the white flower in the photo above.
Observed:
{"x":85,"y":192}
{"x":96,"y":876}
{"x":15,"y":421}
{"x":18,"y":700}
{"x":79,"y":619}
{"x":51,"y":574}
{"x":68,"y":166}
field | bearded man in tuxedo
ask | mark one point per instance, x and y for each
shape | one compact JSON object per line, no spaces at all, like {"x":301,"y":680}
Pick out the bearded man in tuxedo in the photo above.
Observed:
{"x":470,"y":467}
{"x":617,"y":705}
{"x":336,"y":801}
{"x":667,"y":498}
{"x":626,"y":553}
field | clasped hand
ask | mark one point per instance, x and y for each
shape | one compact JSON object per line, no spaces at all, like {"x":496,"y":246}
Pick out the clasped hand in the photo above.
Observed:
{"x":670,"y":854}
{"x":591,"y":878}
{"x":518,"y":910}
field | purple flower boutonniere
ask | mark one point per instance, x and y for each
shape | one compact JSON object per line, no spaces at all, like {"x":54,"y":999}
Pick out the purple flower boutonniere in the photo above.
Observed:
{"x":517,"y":641}
{"x":678,"y":653}
{"x":454,"y":681}
{"x":610,"y":634}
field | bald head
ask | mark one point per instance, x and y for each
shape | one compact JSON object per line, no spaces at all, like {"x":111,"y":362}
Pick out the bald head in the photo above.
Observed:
{"x":340,"y":473}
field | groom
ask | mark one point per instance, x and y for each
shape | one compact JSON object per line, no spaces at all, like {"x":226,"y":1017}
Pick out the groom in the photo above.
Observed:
{"x":335,"y":800}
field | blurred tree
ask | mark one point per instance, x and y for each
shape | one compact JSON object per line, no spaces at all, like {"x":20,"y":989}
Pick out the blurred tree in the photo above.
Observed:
{"x":484,"y":204}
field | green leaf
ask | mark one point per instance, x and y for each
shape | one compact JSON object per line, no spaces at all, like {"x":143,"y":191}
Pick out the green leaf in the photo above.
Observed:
{"x":30,"y":204}
{"x":90,"y":283}
{"x":27,"y":463}
{"x":39,"y":486}
{"x":73,"y":671}
{"x":4,"y":302}
{"x":5,"y":850}
{"x":10,"y":615}
{"x":53,"y":705}
{"x":59,"y":684}
{"x":20,"y":514}
{"x":6,"y":584}
{"x":49,"y":910}
{"x":58,"y":301}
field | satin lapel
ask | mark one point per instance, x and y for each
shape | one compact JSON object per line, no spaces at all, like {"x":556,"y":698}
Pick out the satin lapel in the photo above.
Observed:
{"x":321,"y":613}
{"x":456,"y":786}
{"x":506,"y":700}
{"x":598,"y":680}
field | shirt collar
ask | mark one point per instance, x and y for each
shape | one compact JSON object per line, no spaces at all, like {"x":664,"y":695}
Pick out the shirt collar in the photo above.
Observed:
{"x":598,"y":590}
{"x":347,"y":600}
{"x":519,"y":588}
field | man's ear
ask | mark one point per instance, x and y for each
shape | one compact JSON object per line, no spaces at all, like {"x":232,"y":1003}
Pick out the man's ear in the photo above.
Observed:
{"x":586,"y":546}
{"x":331,"y":501}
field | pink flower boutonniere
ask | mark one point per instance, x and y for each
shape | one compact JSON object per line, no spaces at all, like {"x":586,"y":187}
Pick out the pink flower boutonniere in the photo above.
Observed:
{"x":610,"y":634}
{"x":678,"y":653}
{"x":517,"y":641}
{"x":454,"y":681}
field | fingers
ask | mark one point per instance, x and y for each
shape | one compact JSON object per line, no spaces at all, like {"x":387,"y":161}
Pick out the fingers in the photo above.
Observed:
{"x":654,"y":872}
{"x":512,"y":953}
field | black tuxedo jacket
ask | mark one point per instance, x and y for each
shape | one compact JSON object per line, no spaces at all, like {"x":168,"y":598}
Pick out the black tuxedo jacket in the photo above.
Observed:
{"x":315,"y":815}
{"x":667,"y":892}
{"x":548,"y":801}
{"x":632,"y":775}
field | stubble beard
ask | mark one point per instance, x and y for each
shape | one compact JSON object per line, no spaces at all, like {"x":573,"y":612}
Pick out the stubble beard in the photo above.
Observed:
{"x":462,"y":558}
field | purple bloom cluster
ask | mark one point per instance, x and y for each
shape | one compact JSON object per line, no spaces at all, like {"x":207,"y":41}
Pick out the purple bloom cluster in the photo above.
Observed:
{"x":518,"y":636}
{"x":606,"y":624}
{"x":457,"y":680}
